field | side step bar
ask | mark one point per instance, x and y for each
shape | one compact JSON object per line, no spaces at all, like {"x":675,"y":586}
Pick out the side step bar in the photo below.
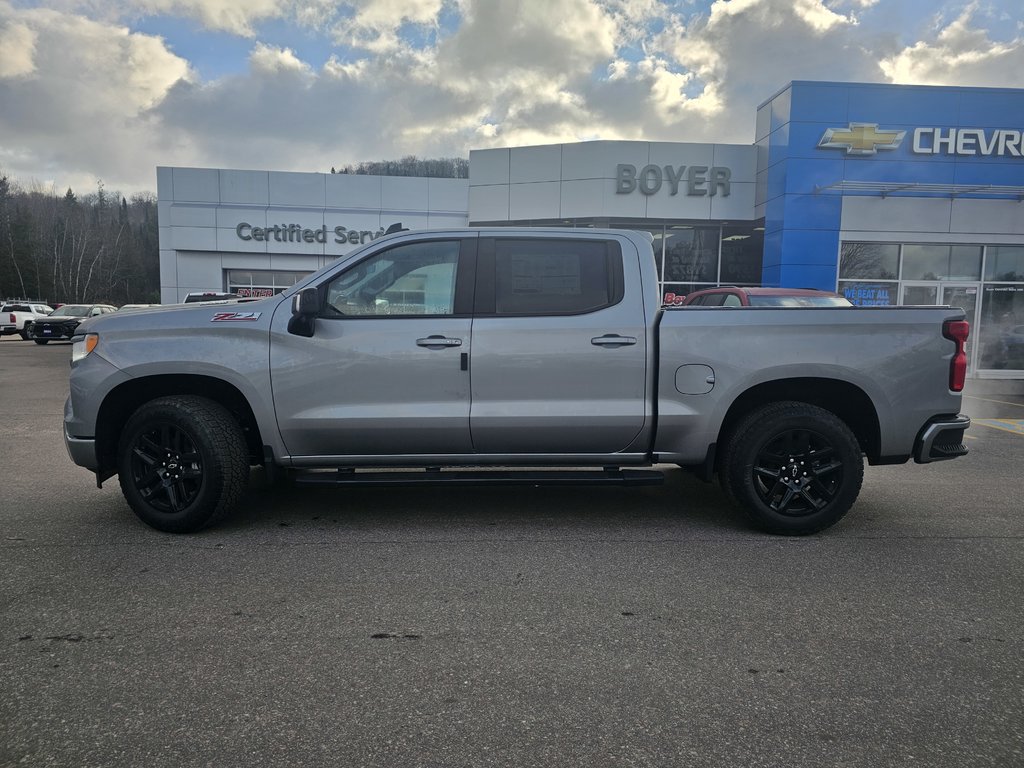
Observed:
{"x":483,"y":477}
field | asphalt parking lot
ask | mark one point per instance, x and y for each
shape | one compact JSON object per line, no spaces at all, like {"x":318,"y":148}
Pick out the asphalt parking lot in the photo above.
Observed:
{"x":507,"y":627}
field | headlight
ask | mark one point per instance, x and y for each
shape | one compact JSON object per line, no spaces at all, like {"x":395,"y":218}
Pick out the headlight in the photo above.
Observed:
{"x":81,"y":346}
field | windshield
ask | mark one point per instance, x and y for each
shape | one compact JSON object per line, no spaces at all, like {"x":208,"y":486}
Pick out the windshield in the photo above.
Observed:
{"x":799,"y":301}
{"x":71,"y":310}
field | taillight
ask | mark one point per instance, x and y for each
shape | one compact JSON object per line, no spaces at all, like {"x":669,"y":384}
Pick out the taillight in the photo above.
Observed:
{"x":13,"y":320}
{"x":957,"y":331}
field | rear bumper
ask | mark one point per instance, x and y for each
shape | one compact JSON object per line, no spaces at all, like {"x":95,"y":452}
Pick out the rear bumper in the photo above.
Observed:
{"x":941,"y":439}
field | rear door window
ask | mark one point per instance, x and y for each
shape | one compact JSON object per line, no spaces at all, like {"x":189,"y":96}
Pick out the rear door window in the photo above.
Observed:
{"x":548,"y":277}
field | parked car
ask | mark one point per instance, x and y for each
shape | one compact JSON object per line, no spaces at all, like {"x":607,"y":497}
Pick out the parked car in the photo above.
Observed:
{"x":209,"y":296}
{"x":732,"y":296}
{"x":62,"y":322}
{"x":367,"y":363}
{"x":17,"y":317}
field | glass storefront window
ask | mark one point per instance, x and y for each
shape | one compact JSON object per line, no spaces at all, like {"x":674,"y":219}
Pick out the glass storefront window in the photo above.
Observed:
{"x":915,"y":295}
{"x":742,"y":254}
{"x":869,"y":261}
{"x":1001,"y":328}
{"x":1004,"y":262}
{"x":252,"y":284}
{"x":870,"y":294}
{"x":941,"y":262}
{"x":691,"y":254}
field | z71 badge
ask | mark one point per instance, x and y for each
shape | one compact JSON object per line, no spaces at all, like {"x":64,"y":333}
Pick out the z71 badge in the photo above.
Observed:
{"x":235,"y":317}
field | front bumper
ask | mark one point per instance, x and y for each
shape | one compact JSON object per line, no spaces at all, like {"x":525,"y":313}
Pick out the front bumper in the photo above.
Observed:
{"x":52,"y":332}
{"x":941,"y":439}
{"x":82,"y":450}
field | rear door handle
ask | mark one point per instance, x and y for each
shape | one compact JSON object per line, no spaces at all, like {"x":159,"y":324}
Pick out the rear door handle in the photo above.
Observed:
{"x":438,"y":342}
{"x":613,"y":340}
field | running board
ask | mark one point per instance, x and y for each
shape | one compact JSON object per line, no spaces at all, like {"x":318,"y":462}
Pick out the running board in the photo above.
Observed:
{"x":483,"y":477}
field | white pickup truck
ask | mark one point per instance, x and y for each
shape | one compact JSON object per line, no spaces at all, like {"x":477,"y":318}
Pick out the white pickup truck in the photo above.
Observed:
{"x":15,"y":315}
{"x":510,"y":356}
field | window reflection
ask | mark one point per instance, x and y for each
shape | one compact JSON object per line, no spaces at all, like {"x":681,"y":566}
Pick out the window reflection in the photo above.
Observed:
{"x":869,"y":261}
{"x":691,"y":254}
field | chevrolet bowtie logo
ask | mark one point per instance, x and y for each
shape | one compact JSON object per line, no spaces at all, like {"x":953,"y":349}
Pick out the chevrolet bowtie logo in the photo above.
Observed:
{"x":861,"y":139}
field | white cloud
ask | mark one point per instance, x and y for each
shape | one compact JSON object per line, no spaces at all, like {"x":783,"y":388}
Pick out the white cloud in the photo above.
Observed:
{"x":374,"y":24}
{"x":960,"y":55}
{"x":267,"y":58}
{"x":237,"y":16}
{"x":83,"y":109}
{"x":84,"y":97}
{"x":17,"y":49}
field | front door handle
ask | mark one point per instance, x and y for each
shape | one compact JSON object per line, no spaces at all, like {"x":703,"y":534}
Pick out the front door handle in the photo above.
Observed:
{"x":613,"y":340}
{"x":438,"y":342}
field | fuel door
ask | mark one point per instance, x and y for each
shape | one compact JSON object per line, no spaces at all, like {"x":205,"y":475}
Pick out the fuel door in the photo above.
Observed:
{"x":695,"y":379}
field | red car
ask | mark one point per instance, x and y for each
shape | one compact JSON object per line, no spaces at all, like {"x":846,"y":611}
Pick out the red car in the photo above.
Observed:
{"x":731,"y":296}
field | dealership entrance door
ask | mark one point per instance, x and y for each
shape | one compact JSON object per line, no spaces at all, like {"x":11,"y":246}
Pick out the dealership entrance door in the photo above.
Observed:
{"x":963,"y":295}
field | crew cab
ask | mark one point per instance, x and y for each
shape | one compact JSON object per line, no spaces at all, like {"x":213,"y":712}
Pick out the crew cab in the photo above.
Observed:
{"x":17,"y":317}
{"x":510,"y":356}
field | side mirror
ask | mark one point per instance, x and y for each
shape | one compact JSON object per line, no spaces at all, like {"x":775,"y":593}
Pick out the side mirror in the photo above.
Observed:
{"x":305,"y":308}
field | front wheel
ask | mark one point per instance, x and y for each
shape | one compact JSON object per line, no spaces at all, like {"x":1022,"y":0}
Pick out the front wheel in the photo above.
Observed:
{"x":794,"y":468}
{"x":182,"y":463}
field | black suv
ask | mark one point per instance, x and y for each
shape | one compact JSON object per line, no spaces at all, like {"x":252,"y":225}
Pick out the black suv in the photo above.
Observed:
{"x":62,"y":322}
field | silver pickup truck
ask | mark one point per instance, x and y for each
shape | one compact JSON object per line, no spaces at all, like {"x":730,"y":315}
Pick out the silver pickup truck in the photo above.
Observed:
{"x":510,"y":356}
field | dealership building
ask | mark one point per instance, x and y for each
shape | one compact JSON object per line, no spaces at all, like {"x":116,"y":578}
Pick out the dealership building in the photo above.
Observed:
{"x":888,"y":194}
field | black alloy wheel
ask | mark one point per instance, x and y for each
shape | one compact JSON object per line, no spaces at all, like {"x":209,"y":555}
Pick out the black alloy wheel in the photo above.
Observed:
{"x":166,"y":467}
{"x":797,"y":473}
{"x":182,"y":462}
{"x":794,"y":468}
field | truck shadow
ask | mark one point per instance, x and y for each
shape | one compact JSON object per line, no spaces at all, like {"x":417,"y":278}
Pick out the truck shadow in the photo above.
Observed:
{"x":683,"y":503}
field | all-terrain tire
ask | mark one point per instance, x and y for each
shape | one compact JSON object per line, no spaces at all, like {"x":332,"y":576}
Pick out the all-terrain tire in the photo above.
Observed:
{"x":793,"y":468}
{"x":182,"y":463}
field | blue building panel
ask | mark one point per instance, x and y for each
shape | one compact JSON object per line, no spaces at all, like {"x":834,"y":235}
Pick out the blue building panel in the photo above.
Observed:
{"x":804,"y":176}
{"x":779,"y":143}
{"x":820,"y":102}
{"x":771,"y":262}
{"x":820,"y":211}
{"x":822,"y":277}
{"x":780,"y":108}
{"x":914,"y":105}
{"x":899,"y":171}
{"x":776,"y":181}
{"x":811,"y":247}
{"x":775,"y":215}
{"x":991,"y":108}
{"x":1000,"y":174}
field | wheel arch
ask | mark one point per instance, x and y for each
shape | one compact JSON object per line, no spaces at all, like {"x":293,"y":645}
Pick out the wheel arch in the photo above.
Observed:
{"x":122,"y":401}
{"x":847,"y":401}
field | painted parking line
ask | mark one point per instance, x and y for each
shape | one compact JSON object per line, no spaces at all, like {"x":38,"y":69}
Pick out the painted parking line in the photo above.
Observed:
{"x":1015,"y":426}
{"x":990,"y":400}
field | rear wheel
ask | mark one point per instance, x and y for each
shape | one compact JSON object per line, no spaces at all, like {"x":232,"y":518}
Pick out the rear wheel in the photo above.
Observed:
{"x":794,"y":468}
{"x":40,"y":341}
{"x":182,"y":463}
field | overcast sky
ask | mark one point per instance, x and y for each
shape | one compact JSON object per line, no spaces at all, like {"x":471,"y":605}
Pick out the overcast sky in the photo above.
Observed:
{"x":109,"y":89}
